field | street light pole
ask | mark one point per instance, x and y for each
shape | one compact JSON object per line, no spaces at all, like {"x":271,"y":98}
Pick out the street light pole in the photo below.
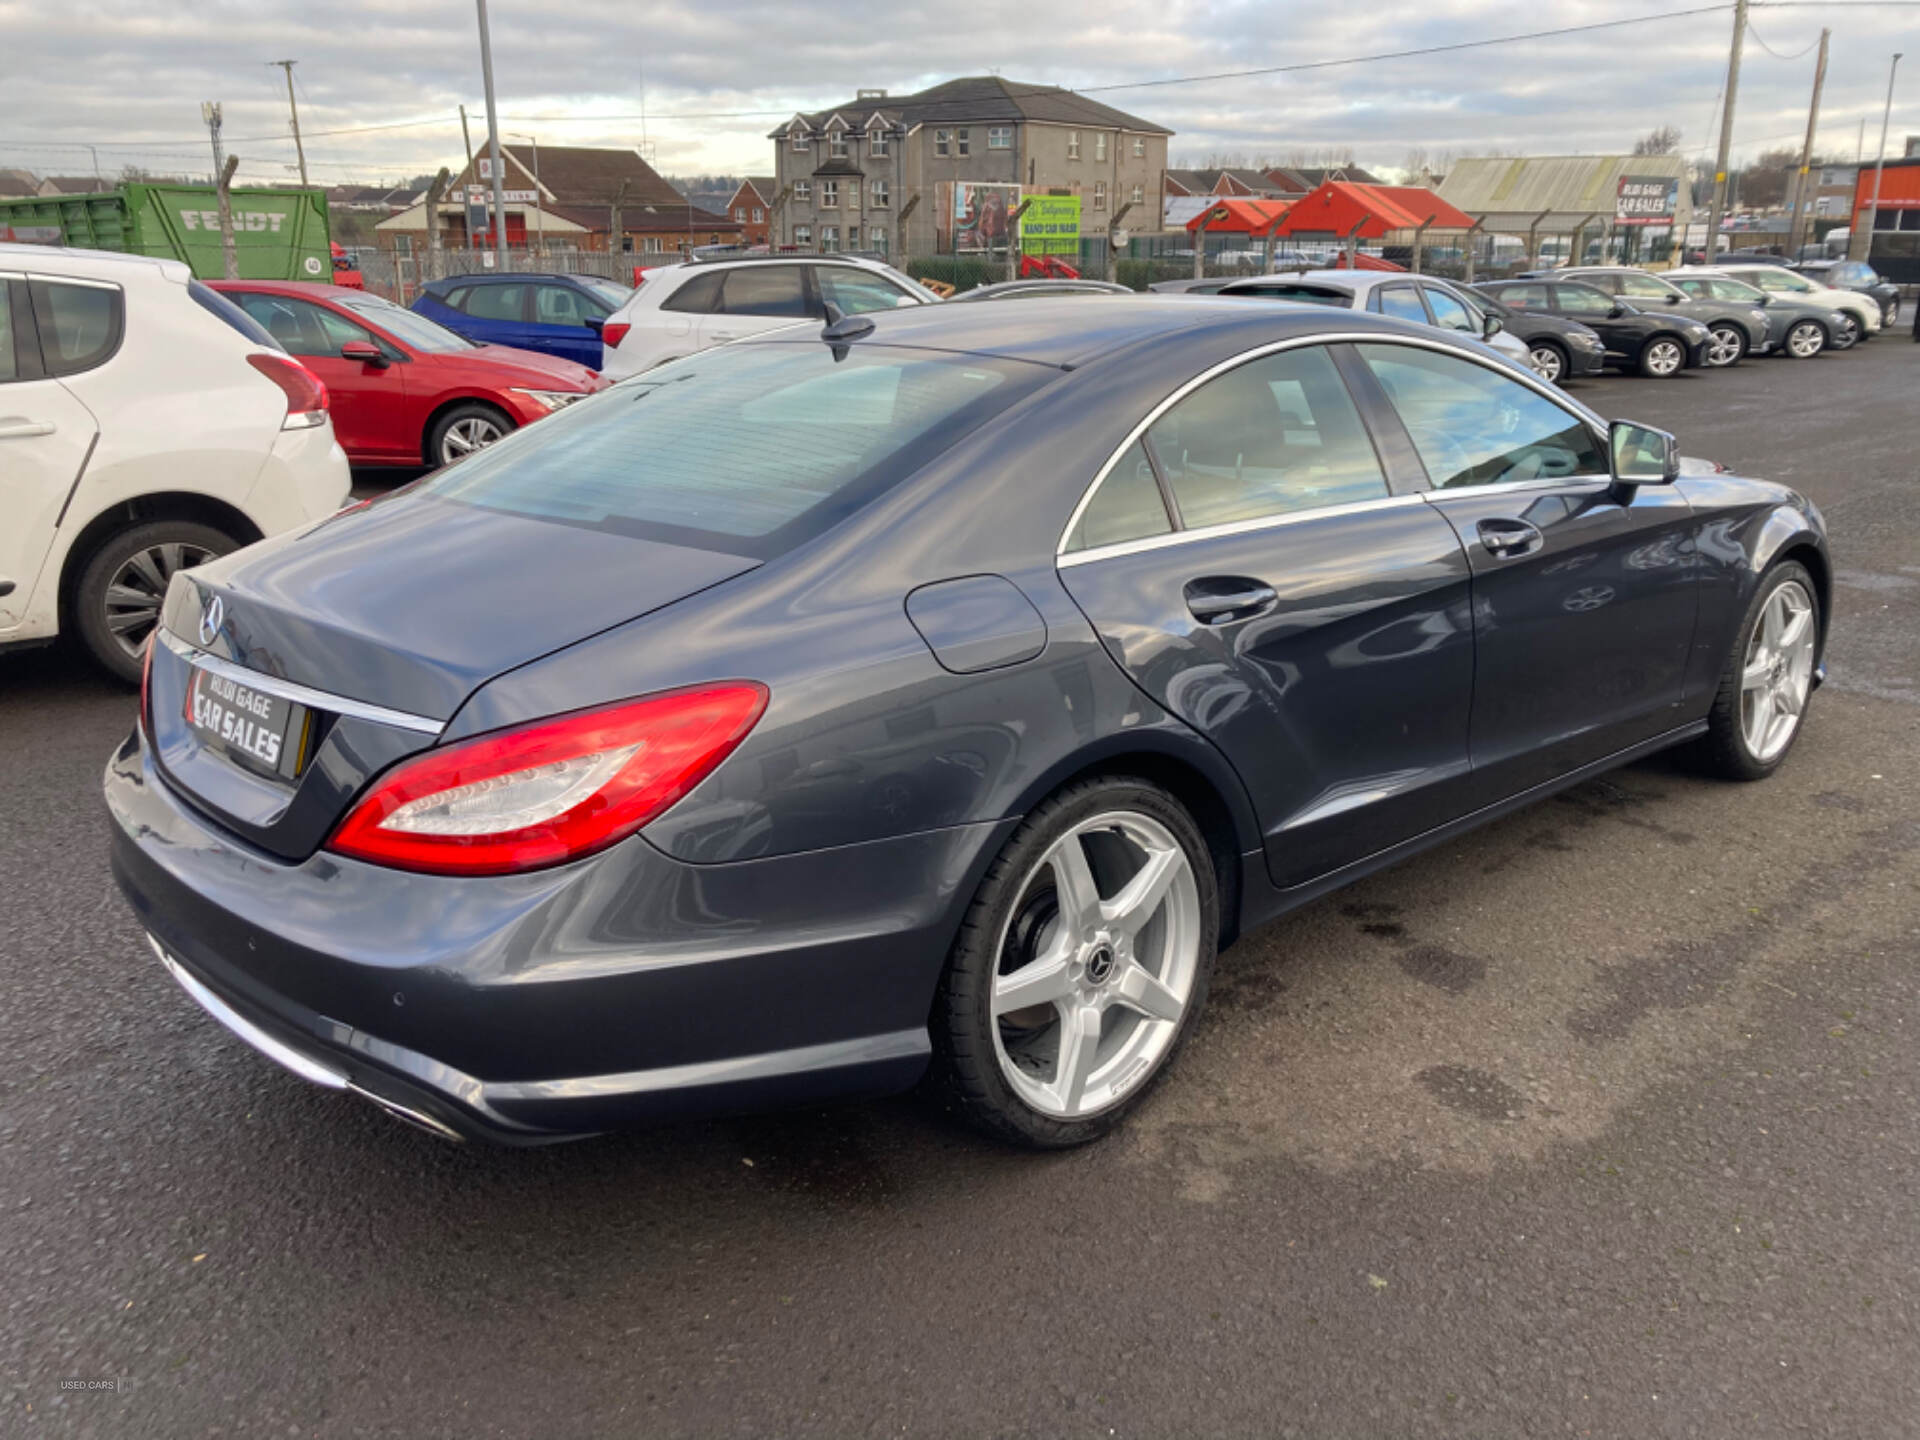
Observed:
{"x":493,"y":141}
{"x":539,"y":212}
{"x":1860,"y":244}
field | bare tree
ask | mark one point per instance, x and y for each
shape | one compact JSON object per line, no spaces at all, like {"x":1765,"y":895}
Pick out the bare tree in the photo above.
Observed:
{"x":1663,"y":140}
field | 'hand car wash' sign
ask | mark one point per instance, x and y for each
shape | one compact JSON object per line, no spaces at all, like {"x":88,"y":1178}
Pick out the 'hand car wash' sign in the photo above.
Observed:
{"x":1646,"y":200}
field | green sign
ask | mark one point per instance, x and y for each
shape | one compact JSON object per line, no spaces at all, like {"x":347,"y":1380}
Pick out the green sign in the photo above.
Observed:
{"x":1051,"y":225}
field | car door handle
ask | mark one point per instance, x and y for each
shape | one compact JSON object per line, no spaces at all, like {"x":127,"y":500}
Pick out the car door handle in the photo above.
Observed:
{"x":18,"y":427}
{"x":723,"y":336}
{"x":1505,"y":539}
{"x":1222,"y":599}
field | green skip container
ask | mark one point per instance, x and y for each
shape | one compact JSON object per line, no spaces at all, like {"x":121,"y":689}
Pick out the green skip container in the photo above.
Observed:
{"x":277,"y":234}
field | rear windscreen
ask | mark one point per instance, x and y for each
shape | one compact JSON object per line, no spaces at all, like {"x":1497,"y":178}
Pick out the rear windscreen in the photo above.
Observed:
{"x":748,"y":449}
{"x":1304,"y":294}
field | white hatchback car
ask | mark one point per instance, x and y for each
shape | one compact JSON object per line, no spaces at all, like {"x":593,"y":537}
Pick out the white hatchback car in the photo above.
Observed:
{"x":146,"y":425}
{"x":1863,"y":311}
{"x":679,"y":309}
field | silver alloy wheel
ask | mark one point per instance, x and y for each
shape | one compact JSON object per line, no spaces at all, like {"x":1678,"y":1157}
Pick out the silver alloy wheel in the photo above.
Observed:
{"x":1546,"y":363}
{"x":134,"y":593}
{"x":1724,"y":345}
{"x":1778,"y":675}
{"x":1849,"y":331}
{"x":1806,"y":340}
{"x":463,"y":437}
{"x":1664,"y":357}
{"x":1094,"y":974}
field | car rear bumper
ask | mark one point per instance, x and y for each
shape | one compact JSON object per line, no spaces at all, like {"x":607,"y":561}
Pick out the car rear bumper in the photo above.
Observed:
{"x":625,"y":989}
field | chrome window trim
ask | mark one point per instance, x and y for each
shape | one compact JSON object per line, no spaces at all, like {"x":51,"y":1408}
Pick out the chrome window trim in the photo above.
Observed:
{"x":1169,"y":538}
{"x":84,"y":283}
{"x":1064,"y":556}
{"x":298,"y":694}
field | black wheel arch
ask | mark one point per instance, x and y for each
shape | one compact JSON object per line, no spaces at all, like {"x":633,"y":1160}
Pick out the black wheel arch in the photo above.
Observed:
{"x":145,"y":510}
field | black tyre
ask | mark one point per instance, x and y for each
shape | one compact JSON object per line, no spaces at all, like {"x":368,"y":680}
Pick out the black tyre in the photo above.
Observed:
{"x":1726,"y":345}
{"x":464,"y":429}
{"x":1806,"y":339}
{"x":1549,"y":361}
{"x":1662,"y":357}
{"x":1080,"y":968}
{"x":116,"y":603}
{"x":1767,"y":679}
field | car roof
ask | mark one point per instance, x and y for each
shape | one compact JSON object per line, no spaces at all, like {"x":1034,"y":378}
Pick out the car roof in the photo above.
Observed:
{"x":101,"y":264}
{"x":1068,"y":333}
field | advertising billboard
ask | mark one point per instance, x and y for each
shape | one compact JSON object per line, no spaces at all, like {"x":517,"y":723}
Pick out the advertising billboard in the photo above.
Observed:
{"x":1051,"y":225}
{"x":1646,"y":200}
{"x":981,"y":215}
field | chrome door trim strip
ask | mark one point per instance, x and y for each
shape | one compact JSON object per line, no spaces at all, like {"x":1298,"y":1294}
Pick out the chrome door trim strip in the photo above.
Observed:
{"x":1236,"y":527}
{"x":298,"y":694}
{"x":1063,"y":556}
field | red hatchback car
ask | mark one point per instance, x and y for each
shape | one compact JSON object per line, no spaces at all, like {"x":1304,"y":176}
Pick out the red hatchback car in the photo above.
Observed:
{"x":405,"y":390}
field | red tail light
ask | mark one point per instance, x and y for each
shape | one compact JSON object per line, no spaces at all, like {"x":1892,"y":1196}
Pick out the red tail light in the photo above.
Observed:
{"x":306,"y":393}
{"x":551,"y":791}
{"x":613,"y":332}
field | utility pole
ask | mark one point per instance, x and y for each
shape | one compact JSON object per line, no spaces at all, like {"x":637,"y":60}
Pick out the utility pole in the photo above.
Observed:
{"x":210,"y":114}
{"x":434,"y":193}
{"x":617,"y":237}
{"x":473,"y":178}
{"x":1801,"y":200}
{"x":294,"y":111}
{"x":1860,"y":242}
{"x":229,"y":256}
{"x":1717,"y":210}
{"x":493,"y":138}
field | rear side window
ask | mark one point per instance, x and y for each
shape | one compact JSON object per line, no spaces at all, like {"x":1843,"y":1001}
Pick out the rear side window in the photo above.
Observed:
{"x":1523,"y":297}
{"x":9,"y":333}
{"x":1127,"y":506}
{"x":779,"y":290}
{"x":80,"y":325}
{"x":1275,"y":435}
{"x":1401,"y":302}
{"x":745,"y":450}
{"x":496,"y":302}
{"x":696,"y":296}
{"x":456,"y":298}
{"x":230,"y":314}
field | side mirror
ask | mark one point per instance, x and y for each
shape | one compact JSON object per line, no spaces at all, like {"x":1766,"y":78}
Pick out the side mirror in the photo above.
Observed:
{"x":1673,"y":299}
{"x":1491,"y":325}
{"x":1617,"y":311}
{"x":366,"y":352}
{"x":1642,"y":455}
{"x":595,"y":323}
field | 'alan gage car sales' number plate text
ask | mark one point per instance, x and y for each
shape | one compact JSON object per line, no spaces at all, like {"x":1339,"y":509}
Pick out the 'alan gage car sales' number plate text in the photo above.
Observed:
{"x":249,"y":725}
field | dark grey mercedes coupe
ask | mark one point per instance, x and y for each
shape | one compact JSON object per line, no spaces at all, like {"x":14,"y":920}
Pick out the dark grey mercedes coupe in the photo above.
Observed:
{"x":928,"y":695}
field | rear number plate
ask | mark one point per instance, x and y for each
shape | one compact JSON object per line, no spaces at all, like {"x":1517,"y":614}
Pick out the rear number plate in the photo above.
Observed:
{"x":258,"y":730}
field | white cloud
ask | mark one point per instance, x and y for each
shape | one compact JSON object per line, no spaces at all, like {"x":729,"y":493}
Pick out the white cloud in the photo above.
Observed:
{"x":130,"y":77}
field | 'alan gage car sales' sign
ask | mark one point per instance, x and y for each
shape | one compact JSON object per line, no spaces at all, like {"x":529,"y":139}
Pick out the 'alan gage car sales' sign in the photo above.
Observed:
{"x":1646,"y":200}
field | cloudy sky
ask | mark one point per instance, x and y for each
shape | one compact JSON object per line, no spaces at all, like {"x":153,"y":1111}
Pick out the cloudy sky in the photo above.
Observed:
{"x":711,"y":77}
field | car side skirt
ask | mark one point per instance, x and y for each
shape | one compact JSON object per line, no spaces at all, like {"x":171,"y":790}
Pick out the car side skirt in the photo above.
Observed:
{"x":1263,"y":902}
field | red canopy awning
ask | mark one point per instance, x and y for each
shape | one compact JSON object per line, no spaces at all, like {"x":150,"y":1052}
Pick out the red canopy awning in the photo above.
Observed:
{"x":1238,"y":216}
{"x":1344,"y":207}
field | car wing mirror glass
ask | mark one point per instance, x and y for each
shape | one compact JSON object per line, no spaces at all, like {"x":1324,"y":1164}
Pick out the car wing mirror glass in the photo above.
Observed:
{"x":1642,"y":455}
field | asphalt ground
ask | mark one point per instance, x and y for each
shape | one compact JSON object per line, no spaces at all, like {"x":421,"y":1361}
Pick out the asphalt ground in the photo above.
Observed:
{"x":1600,"y":1121}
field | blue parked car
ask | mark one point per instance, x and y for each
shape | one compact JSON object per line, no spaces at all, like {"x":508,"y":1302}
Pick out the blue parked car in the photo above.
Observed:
{"x":557,"y":315}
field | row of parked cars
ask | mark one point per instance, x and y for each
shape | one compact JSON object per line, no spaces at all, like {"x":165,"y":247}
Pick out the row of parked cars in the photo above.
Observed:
{"x":91,"y":343}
